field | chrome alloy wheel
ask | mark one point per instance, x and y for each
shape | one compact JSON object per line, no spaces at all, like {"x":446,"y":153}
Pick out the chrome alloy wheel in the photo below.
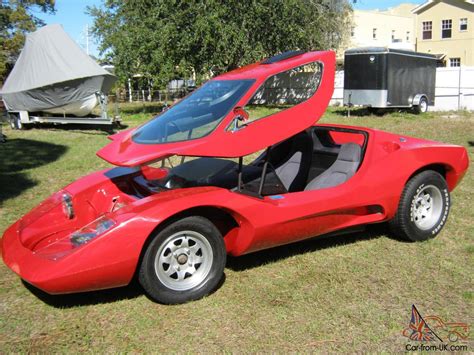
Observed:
{"x":427,"y":207}
{"x":184,"y":260}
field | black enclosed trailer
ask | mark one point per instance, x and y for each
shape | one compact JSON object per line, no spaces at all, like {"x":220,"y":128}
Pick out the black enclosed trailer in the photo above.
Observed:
{"x":379,"y":77}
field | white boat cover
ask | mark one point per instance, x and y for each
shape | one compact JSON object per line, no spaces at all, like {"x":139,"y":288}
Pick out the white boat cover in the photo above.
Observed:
{"x":53,"y":71}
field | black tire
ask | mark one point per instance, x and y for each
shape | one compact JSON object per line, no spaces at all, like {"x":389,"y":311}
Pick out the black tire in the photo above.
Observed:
{"x":148,"y":275}
{"x":19,"y":124}
{"x":12,"y":120}
{"x":422,"y":106}
{"x":406,"y":223}
{"x":15,"y":121}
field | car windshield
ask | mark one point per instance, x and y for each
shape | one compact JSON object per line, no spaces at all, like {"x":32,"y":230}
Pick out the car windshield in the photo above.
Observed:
{"x":196,"y":115}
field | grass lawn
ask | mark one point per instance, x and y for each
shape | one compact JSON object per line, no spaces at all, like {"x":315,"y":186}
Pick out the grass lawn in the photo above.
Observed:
{"x":350,"y":293}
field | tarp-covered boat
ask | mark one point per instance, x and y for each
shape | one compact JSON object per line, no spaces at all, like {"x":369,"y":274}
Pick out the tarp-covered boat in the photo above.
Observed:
{"x":54,"y":75}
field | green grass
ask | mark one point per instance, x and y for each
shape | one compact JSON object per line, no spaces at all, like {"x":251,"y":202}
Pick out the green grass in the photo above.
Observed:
{"x":351,"y":293}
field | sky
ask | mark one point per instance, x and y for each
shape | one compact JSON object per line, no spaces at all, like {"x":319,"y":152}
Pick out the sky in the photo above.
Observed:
{"x":71,"y":15}
{"x":382,"y":5}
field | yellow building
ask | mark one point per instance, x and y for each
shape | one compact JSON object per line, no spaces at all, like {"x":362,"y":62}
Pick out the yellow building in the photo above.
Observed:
{"x":446,"y":28}
{"x":393,"y":28}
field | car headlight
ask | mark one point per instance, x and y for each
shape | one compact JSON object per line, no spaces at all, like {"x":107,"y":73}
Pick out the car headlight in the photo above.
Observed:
{"x":91,"y":231}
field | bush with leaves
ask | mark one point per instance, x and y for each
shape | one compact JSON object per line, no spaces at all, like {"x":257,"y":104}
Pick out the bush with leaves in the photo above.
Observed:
{"x":167,"y":39}
{"x":16,"y":20}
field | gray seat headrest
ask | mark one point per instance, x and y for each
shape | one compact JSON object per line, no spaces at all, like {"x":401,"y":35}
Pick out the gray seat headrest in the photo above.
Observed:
{"x":349,"y":152}
{"x":341,"y":170}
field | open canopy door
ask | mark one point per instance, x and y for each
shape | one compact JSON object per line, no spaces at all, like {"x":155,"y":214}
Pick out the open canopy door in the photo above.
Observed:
{"x":234,"y":114}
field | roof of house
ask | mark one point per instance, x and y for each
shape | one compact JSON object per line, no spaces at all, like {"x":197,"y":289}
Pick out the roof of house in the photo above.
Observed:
{"x":430,"y":2}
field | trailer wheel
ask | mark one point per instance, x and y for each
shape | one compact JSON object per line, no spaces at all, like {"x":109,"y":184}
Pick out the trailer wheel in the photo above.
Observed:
{"x":15,"y":122}
{"x":18,"y":123}
{"x":422,"y":107}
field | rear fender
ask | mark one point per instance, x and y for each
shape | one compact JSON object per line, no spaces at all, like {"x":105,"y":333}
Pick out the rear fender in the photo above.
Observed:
{"x":453,"y":160}
{"x":417,"y":99}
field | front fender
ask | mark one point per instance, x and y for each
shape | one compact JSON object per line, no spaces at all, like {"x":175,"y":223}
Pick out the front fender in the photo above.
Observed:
{"x":159,"y":208}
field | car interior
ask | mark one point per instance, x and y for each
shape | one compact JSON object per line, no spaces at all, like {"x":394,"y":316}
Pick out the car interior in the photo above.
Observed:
{"x":317,"y":158}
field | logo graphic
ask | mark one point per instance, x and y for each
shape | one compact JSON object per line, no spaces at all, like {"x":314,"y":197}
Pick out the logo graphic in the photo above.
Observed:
{"x":432,"y":328}
{"x":418,"y":329}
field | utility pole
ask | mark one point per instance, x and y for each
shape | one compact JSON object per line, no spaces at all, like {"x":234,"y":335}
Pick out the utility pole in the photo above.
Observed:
{"x":87,"y":39}
{"x":130,"y":99}
{"x":84,"y":39}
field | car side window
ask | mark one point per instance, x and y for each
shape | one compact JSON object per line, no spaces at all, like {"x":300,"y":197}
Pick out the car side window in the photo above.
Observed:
{"x":284,"y":90}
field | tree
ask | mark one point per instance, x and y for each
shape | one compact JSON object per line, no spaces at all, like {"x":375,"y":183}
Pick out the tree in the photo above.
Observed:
{"x":16,"y":20}
{"x":166,"y":39}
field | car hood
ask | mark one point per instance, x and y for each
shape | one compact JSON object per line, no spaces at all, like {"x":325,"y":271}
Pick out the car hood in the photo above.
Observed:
{"x":257,"y":135}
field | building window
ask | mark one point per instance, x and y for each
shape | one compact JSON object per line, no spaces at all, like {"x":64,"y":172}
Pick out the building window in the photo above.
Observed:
{"x":463,"y":24}
{"x":454,"y":62}
{"x":374,"y":33}
{"x":408,"y":36}
{"x":427,"y":29}
{"x":393,"y":35}
{"x":352,"y":31}
{"x":446,"y":26}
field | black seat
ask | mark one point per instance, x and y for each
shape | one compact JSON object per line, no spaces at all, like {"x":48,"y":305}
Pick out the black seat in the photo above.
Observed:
{"x":341,"y":170}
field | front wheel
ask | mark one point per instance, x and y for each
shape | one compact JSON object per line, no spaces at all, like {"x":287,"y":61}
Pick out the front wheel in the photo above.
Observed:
{"x":184,"y":262}
{"x":423,"y":208}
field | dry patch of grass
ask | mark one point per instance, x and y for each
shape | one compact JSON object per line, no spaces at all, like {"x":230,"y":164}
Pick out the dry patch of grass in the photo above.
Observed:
{"x":350,"y":293}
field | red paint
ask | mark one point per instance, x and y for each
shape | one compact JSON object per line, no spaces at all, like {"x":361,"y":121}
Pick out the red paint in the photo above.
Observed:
{"x":344,"y":137}
{"x":38,"y":248}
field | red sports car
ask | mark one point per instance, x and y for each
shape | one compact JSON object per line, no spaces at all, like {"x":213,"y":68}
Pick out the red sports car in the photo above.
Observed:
{"x":237,"y":166}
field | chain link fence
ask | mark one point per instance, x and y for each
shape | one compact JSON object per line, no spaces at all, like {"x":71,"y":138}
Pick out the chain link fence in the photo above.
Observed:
{"x":147,"y":95}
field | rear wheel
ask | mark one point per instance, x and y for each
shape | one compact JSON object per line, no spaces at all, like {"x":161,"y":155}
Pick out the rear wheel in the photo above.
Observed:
{"x":423,"y":208}
{"x":184,"y":262}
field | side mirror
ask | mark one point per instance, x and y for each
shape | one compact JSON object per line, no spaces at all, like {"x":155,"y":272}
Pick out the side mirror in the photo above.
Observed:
{"x":240,"y":118}
{"x":240,"y":114}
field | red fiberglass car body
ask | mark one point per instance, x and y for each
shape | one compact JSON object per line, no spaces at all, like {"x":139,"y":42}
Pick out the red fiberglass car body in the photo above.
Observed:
{"x":174,"y":224}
